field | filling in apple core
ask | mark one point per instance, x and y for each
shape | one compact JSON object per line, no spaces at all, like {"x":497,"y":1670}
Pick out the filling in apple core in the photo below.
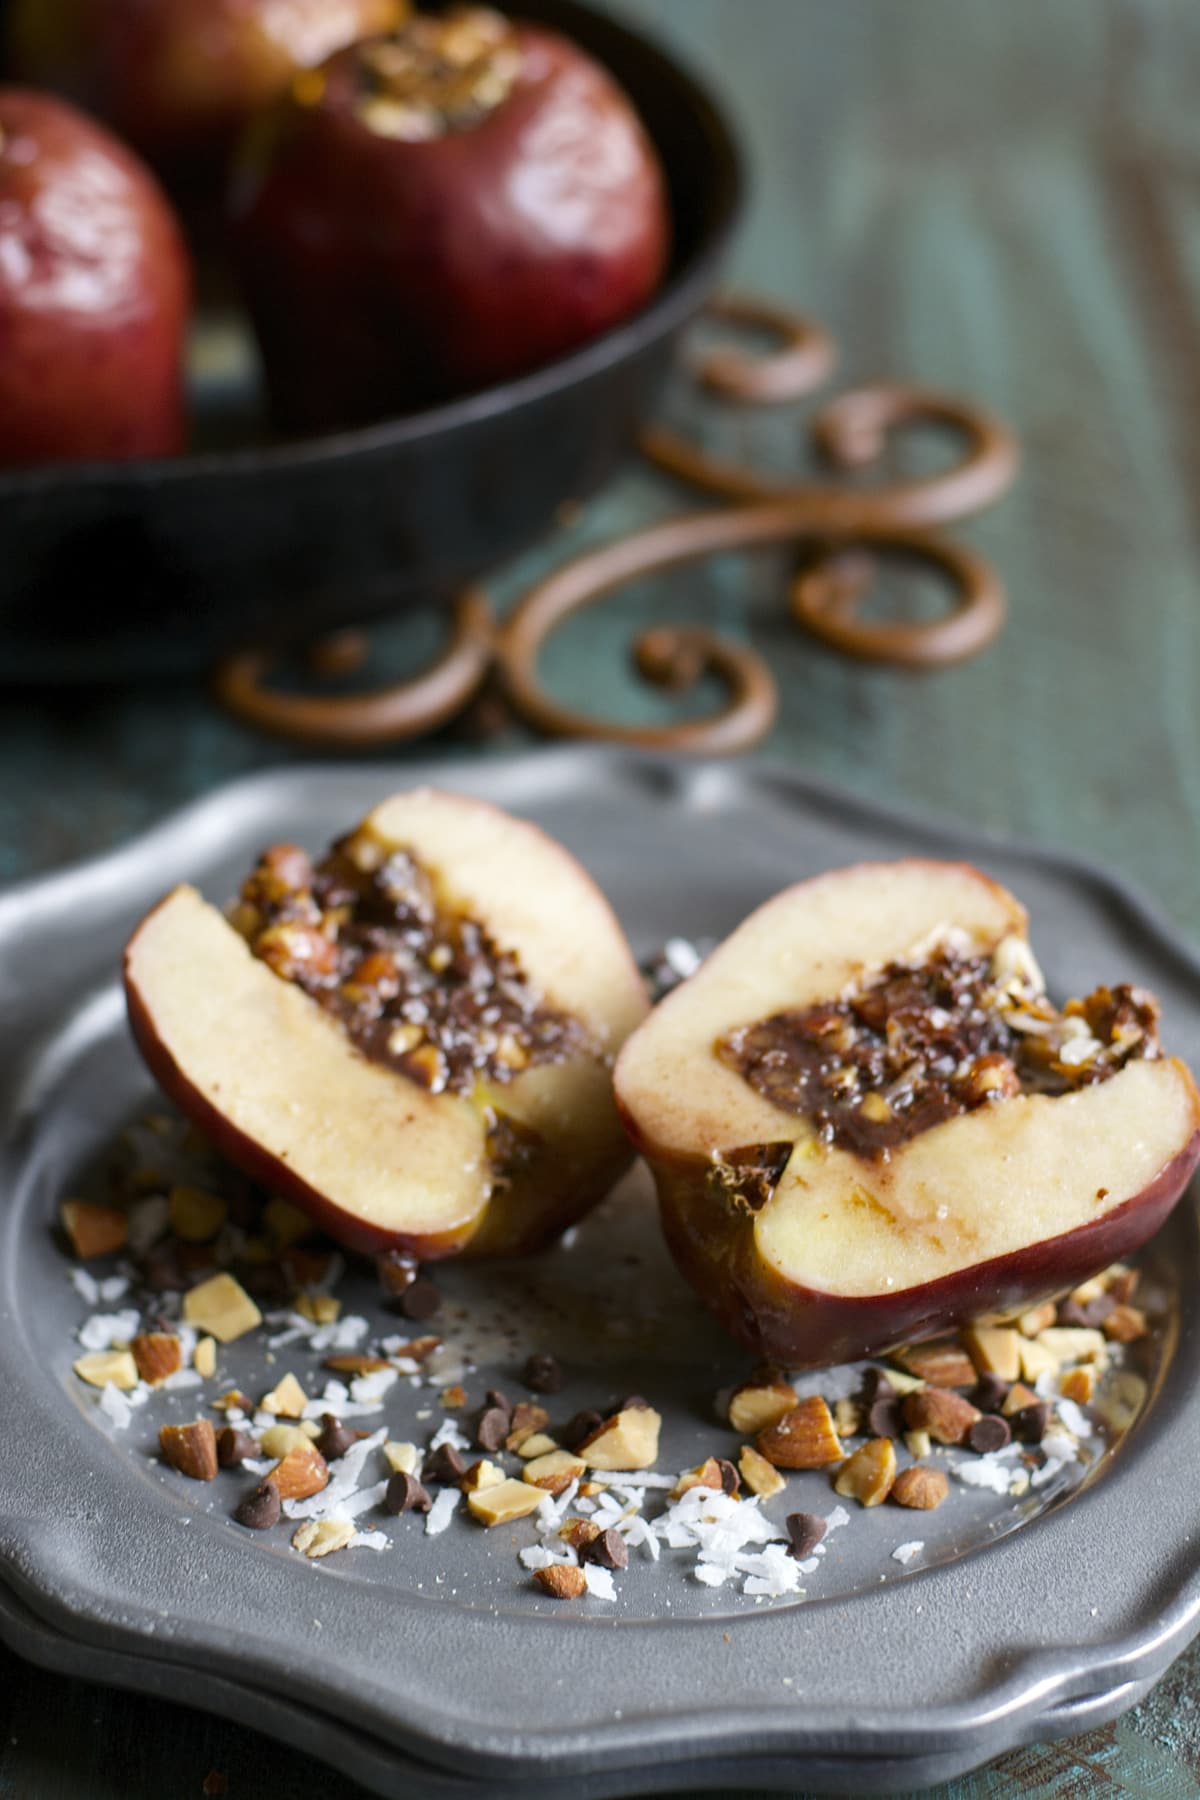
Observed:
{"x":435,"y":73}
{"x":922,"y":1042}
{"x":416,"y":984}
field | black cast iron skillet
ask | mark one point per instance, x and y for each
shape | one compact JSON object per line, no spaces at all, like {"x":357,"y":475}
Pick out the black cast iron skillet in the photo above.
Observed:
{"x":113,"y":570}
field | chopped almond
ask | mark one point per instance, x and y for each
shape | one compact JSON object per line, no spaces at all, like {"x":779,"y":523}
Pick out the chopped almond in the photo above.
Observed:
{"x":869,"y":1474}
{"x":706,"y":1474}
{"x":628,"y":1440}
{"x":946,"y":1416}
{"x":1037,"y":1318}
{"x":942,"y":1364}
{"x":352,"y":1363}
{"x":565,"y":1581}
{"x":760,"y":1476}
{"x":322,"y":1309}
{"x":803,"y":1439}
{"x":196,"y":1216}
{"x":94,"y":1230}
{"x":402,"y":1458}
{"x":537,"y":1444}
{"x":1125,"y":1324}
{"x":507,"y":1500}
{"x":321,"y":1537}
{"x":1073,"y":1343}
{"x":994,"y":1349}
{"x":277,"y":1440}
{"x":1017,"y":1398}
{"x":920,"y":1488}
{"x":527,"y":1418}
{"x":553,"y":1472}
{"x":1036,"y":1360}
{"x":204,"y":1357}
{"x":756,"y":1405}
{"x":301,"y":1473}
{"x":287,"y":1399}
{"x":157,"y":1355}
{"x":1078,"y":1384}
{"x":192,"y":1449}
{"x":482,"y":1474}
{"x":222,"y":1307}
{"x":100,"y":1367}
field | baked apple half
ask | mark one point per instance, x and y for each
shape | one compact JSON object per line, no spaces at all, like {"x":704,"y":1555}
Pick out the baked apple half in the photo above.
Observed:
{"x":867,"y":1122}
{"x":413,"y":1038}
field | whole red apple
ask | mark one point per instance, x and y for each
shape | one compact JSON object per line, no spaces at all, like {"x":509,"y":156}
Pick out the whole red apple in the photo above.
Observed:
{"x":439,"y":209}
{"x":94,"y":293}
{"x":181,"y":78}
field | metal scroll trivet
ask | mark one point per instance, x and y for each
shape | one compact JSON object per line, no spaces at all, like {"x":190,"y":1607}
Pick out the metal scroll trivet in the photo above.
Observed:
{"x":844,"y":531}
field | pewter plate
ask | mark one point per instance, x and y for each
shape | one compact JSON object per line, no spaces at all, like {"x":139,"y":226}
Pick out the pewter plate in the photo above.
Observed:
{"x":1017,"y":1621}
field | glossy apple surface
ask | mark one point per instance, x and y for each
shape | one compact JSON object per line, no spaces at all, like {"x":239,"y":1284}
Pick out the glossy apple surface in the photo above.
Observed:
{"x":377,"y":1159}
{"x":843,"y":1255}
{"x":180,"y":79}
{"x":386,"y":272}
{"x":94,"y":293}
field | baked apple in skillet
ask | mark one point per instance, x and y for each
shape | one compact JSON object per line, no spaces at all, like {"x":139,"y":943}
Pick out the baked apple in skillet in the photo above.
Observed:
{"x":412,"y":1038}
{"x":94,"y":293}
{"x":180,"y":79}
{"x":867,"y":1122}
{"x":438,"y":209}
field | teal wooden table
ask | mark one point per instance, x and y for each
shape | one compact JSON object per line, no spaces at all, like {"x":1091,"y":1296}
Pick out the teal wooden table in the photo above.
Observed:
{"x":1002,"y":201}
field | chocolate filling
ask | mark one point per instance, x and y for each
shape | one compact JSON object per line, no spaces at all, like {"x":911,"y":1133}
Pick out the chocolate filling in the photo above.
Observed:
{"x":920,"y":1043}
{"x":416,"y":984}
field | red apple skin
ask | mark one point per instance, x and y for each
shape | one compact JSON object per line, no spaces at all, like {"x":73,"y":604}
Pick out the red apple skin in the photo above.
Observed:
{"x":181,"y":79}
{"x":387,"y":275}
{"x":95,"y":291}
{"x":795,"y":1327}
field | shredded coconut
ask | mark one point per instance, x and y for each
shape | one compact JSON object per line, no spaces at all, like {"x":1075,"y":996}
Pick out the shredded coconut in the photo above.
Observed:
{"x":904,"y":1553}
{"x":86,"y":1286}
{"x":449,"y":1433}
{"x":103,"y":1330}
{"x":115,"y":1406}
{"x":336,"y":1495}
{"x":441,"y":1512}
{"x":369,"y":1540}
{"x":373,"y":1387}
{"x":599,"y":1582}
{"x":183,"y":1378}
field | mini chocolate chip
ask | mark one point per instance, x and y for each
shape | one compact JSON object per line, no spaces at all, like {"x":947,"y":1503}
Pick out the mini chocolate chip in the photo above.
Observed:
{"x":498,"y":1398}
{"x":234,"y":1446}
{"x":805,"y":1530}
{"x":1071,"y":1313}
{"x":1030,"y":1423}
{"x":884,"y":1419}
{"x":543,"y":1374}
{"x":609,"y":1550}
{"x":335,"y":1438}
{"x":989,"y":1433}
{"x":405,"y":1494}
{"x":444,"y":1464}
{"x":990,"y":1392}
{"x":731,"y":1481}
{"x":260,"y":1509}
{"x":421,"y":1300}
{"x":579,"y":1427}
{"x":876,"y":1386}
{"x":492,"y":1428}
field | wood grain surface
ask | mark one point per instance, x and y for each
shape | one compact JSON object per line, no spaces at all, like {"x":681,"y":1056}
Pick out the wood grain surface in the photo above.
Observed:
{"x":1000,"y":200}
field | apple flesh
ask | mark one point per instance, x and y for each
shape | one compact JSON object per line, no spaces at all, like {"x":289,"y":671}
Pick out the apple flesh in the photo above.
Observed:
{"x":812,"y":1253}
{"x":441,"y":209}
{"x":499,"y":1163}
{"x":95,"y":292}
{"x":181,"y":79}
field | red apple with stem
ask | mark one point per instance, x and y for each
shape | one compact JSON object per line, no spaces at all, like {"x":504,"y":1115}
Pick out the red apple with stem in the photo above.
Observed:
{"x":439,"y":209}
{"x":94,"y":293}
{"x":867,"y":1123}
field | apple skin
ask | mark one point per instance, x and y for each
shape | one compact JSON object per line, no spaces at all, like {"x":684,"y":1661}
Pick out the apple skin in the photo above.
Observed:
{"x":386,"y":275}
{"x":796,"y":1327}
{"x":181,"y":79}
{"x":95,"y":292}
